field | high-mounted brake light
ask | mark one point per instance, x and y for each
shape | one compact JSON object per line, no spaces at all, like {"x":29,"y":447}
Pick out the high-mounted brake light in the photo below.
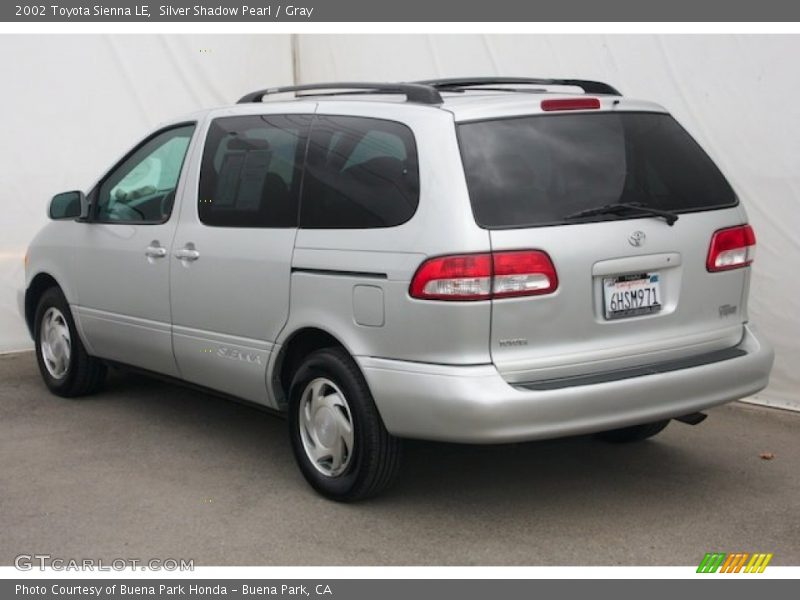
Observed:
{"x":731,"y":248}
{"x":485,"y":276}
{"x":571,"y":104}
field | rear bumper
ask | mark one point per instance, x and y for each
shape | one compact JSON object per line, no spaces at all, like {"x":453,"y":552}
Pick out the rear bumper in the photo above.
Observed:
{"x":475,"y":404}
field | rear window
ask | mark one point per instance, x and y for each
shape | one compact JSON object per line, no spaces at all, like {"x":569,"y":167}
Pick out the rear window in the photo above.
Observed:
{"x":537,"y":170}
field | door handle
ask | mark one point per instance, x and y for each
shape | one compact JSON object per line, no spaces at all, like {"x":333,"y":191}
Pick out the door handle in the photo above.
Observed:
{"x":155,"y":251}
{"x":187,"y":253}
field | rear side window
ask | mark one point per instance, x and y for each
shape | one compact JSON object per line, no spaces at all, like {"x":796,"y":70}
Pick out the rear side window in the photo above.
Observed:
{"x":537,"y":170}
{"x":360,"y":173}
{"x":251,"y":171}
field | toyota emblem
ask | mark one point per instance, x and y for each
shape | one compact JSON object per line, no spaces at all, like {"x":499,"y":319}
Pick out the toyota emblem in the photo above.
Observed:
{"x":637,"y":238}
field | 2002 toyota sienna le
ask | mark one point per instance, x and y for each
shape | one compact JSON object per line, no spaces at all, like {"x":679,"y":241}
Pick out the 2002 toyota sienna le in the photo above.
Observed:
{"x":467,"y":260}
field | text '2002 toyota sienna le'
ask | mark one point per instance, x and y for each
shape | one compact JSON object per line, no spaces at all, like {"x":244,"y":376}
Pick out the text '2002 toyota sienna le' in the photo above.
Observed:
{"x":466,"y":260}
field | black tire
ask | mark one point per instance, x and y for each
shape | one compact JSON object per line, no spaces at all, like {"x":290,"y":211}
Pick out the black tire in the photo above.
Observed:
{"x":636,"y":433}
{"x":85,"y":374}
{"x":375,"y":460}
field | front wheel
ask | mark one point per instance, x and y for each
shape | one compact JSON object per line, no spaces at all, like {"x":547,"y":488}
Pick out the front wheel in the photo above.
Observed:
{"x":66,"y":367}
{"x":337,"y":435}
{"x":636,"y":433}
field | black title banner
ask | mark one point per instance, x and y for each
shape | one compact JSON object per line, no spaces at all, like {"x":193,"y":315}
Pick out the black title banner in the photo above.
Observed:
{"x":400,"y":11}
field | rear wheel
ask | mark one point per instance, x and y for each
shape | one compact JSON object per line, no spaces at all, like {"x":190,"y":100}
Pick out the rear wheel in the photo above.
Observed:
{"x":337,"y":435}
{"x":636,"y":433}
{"x":65,"y":366}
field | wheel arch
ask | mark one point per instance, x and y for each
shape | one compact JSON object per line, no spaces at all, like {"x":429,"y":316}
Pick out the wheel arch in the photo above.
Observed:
{"x":297,"y":345}
{"x":39,"y":284}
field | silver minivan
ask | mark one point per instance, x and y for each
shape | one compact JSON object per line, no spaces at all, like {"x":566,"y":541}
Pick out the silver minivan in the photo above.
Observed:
{"x":480,"y":260}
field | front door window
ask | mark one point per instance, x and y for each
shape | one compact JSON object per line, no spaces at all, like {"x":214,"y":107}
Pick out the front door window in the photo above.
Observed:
{"x":142,"y":188}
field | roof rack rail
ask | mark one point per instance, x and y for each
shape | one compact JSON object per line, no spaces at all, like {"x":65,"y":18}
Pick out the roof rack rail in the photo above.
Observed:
{"x":414,"y":92}
{"x":589,"y":87}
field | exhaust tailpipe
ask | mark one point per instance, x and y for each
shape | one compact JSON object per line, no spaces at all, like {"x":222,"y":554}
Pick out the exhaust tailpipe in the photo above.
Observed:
{"x":693,"y":418}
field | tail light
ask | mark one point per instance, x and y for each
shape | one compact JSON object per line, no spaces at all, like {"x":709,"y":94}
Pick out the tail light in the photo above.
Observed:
{"x":463,"y":277}
{"x":485,"y":276}
{"x":526,"y":273}
{"x":731,"y":248}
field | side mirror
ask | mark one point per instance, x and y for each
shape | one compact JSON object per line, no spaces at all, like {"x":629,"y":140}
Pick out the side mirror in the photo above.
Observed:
{"x":69,"y":205}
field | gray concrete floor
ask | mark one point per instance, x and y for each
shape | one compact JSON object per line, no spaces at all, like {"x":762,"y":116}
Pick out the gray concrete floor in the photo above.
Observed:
{"x":151,"y":470}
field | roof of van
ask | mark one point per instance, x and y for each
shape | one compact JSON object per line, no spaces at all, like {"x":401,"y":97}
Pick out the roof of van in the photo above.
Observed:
{"x":486,"y":100}
{"x":477,"y":105}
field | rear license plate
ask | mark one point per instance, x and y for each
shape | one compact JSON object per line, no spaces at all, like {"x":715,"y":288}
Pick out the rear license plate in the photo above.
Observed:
{"x":631,"y":295}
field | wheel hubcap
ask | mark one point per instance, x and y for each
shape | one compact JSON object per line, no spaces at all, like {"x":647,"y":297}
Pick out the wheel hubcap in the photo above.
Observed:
{"x":55,"y":343}
{"x":326,"y":427}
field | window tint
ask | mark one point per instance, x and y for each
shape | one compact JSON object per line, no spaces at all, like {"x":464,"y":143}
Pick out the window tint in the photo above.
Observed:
{"x":251,"y":170}
{"x":537,"y":170}
{"x":142,"y":188}
{"x":360,"y":173}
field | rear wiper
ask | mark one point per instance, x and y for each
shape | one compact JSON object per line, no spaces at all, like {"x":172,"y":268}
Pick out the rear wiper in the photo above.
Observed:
{"x":617,"y":207}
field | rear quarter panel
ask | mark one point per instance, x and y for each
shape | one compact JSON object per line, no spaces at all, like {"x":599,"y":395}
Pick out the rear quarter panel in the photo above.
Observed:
{"x":387,"y":258}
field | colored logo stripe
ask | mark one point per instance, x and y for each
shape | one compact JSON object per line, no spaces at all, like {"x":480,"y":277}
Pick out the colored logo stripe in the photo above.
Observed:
{"x":711,"y":562}
{"x":758,"y":563}
{"x":734,"y":562}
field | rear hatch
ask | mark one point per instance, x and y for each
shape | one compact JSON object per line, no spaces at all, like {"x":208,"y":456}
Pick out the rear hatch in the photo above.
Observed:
{"x":632,"y":289}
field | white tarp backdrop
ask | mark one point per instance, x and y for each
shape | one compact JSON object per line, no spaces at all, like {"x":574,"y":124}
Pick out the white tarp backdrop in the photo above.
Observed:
{"x":73,"y":103}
